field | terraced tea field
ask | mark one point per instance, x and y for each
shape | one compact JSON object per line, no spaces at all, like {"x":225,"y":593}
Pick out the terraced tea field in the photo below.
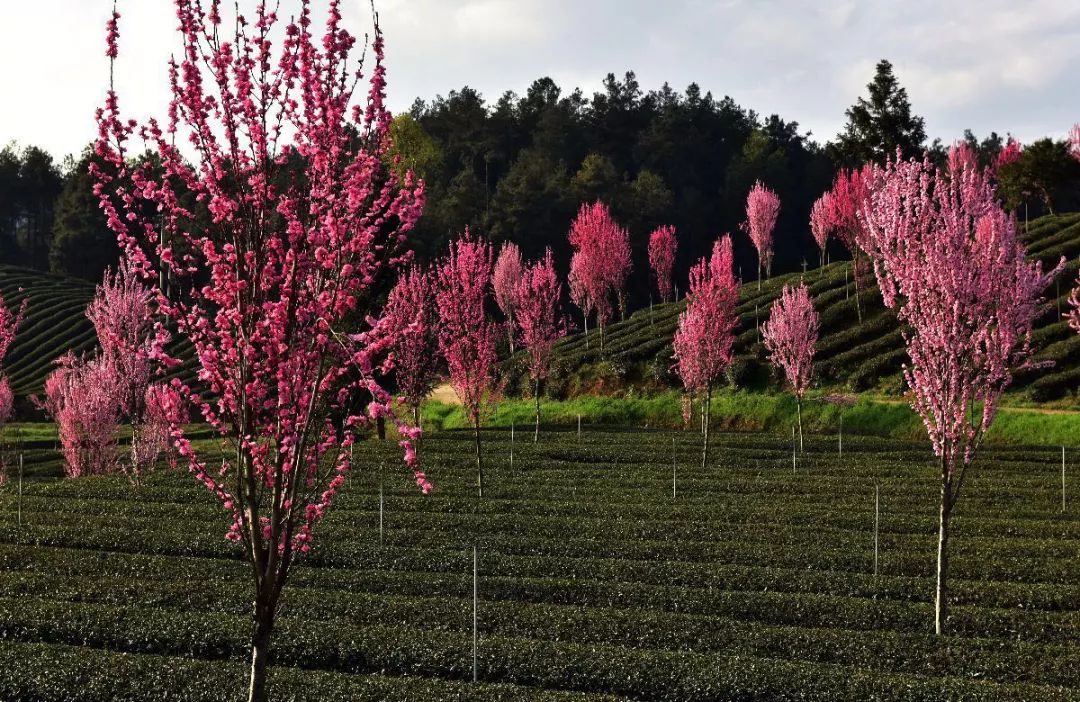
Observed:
{"x":753,"y":582}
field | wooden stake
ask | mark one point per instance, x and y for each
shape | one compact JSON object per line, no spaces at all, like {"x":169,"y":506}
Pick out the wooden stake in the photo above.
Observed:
{"x":579,"y":426}
{"x":511,"y":446}
{"x":877,"y":519}
{"x":20,"y":489}
{"x":673,"y":467}
{"x":474,"y":598}
{"x":840,"y":436}
{"x":1062,"y":478}
{"x":792,"y":448}
{"x":380,"y":512}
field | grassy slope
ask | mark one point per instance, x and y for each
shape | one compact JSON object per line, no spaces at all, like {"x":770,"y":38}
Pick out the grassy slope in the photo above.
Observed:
{"x":852,"y":356}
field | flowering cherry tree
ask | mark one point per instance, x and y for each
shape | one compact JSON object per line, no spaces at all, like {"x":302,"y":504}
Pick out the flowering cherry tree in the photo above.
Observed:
{"x":538,"y":294}
{"x":411,"y":315}
{"x":467,"y":336}
{"x":289,"y":164}
{"x":960,"y":156}
{"x":947,"y":257}
{"x":9,"y":326}
{"x":1074,"y":140}
{"x":821,"y":223}
{"x":762,"y":209}
{"x":705,"y":334}
{"x":662,"y":248}
{"x":83,"y":396}
{"x":850,"y":192}
{"x":790,"y":335}
{"x":600,"y":263}
{"x":504,"y":279}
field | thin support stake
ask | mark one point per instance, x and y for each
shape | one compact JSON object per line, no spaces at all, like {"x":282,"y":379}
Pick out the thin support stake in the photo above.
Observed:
{"x":673,"y":467}
{"x":474,"y":598}
{"x":877,"y":521}
{"x":20,"y":489}
{"x":579,"y":426}
{"x":380,"y":512}
{"x":793,"y":448}
{"x":840,"y":436}
{"x":1062,"y":478}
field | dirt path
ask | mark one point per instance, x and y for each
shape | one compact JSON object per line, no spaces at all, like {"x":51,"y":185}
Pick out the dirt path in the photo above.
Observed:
{"x":445,"y":394}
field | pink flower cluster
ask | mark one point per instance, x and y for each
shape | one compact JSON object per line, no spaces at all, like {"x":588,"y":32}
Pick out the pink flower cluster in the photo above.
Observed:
{"x":9,"y":326}
{"x":948,"y":258}
{"x":762,"y":209}
{"x":790,"y":335}
{"x":504,"y":279}
{"x":662,"y":249}
{"x":411,"y":315}
{"x":600,"y":263}
{"x":537,"y":297}
{"x":289,"y":164}
{"x":705,"y":335}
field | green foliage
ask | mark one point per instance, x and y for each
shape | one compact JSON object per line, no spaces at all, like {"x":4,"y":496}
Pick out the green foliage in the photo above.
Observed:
{"x":754,"y":584}
{"x":880,"y":124}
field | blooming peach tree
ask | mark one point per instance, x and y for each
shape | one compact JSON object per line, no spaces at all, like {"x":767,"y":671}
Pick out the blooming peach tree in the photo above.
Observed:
{"x":538,"y":295}
{"x":947,"y":257}
{"x":662,"y":248}
{"x":762,"y":209}
{"x":504,"y":280}
{"x":295,"y":214}
{"x":706,"y":331}
{"x":790,"y":336}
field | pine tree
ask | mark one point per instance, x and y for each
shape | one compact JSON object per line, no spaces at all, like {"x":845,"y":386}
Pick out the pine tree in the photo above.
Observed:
{"x":879,"y":125}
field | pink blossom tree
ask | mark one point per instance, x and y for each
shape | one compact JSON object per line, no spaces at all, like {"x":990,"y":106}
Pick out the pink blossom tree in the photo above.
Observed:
{"x":948,"y":258}
{"x":790,"y":335}
{"x":1074,"y":140}
{"x":290,"y":163}
{"x":821,"y":224}
{"x":1010,"y":153}
{"x":579,"y":292}
{"x":850,"y":192}
{"x":705,"y":334}
{"x":538,"y":295}
{"x":84,"y":399}
{"x":121,"y":315}
{"x":662,"y":248}
{"x":504,"y":279}
{"x":9,"y":326}
{"x":467,"y":336}
{"x":410,"y":312}
{"x":600,"y":263}
{"x":960,"y":156}
{"x":762,"y":209}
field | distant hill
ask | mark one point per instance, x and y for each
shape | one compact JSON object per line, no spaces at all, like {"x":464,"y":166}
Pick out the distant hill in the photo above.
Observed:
{"x":637,"y":354}
{"x":851,"y":356}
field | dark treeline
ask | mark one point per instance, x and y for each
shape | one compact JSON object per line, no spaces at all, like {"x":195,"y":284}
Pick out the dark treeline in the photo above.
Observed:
{"x":519,"y":168}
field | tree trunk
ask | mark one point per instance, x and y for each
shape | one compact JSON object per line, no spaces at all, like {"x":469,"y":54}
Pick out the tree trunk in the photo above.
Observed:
{"x":380,"y":428}
{"x":479,"y":461}
{"x":416,"y":423}
{"x":759,"y":274}
{"x":858,"y":294}
{"x":536,"y":431}
{"x":798,"y":405}
{"x":708,"y":421}
{"x":585,"y":316}
{"x":941,"y":600}
{"x":510,"y":332}
{"x":260,"y":652}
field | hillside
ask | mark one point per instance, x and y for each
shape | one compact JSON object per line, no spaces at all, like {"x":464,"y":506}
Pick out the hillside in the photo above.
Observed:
{"x":637,"y":353}
{"x":852,"y":356}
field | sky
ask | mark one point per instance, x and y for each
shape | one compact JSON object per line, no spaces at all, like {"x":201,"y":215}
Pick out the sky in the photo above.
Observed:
{"x":980,"y":64}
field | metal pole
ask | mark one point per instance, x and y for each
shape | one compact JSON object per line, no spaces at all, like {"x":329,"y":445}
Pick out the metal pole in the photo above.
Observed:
{"x":1062,"y":478}
{"x":474,"y":590}
{"x":792,"y":448}
{"x":840,"y":437}
{"x":877,"y":519}
{"x":579,"y":426}
{"x":511,"y":446}
{"x":20,"y":489}
{"x":673,"y":467}
{"x":380,"y":512}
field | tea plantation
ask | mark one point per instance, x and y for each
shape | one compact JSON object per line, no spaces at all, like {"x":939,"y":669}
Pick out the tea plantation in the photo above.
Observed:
{"x":754,"y":581}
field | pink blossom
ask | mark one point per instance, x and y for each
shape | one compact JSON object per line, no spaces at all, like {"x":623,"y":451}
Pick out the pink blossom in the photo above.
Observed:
{"x":600,"y":263}
{"x":411,"y":315}
{"x":762,"y":209}
{"x":537,"y":298}
{"x":662,"y":248}
{"x":790,"y":336}
{"x":504,"y":279}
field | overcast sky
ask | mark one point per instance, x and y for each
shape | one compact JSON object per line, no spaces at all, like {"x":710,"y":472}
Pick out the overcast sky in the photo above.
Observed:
{"x":981,"y":64}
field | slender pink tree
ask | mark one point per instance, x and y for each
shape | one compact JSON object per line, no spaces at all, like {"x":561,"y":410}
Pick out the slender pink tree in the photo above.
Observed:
{"x":467,"y":336}
{"x":1010,"y":153}
{"x":790,"y":336}
{"x":662,"y":248}
{"x":538,"y":296}
{"x":83,"y":398}
{"x":601,"y":261}
{"x":961,"y":155}
{"x":579,"y":292}
{"x":1074,"y":302}
{"x":821,"y":224}
{"x":290,"y":164}
{"x":850,"y":192}
{"x":762,"y":209}
{"x":504,"y":279}
{"x":410,"y":312}
{"x":948,"y":258}
{"x":705,"y":335}
{"x":121,"y":315}
{"x":9,"y":326}
{"x":1074,"y":140}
